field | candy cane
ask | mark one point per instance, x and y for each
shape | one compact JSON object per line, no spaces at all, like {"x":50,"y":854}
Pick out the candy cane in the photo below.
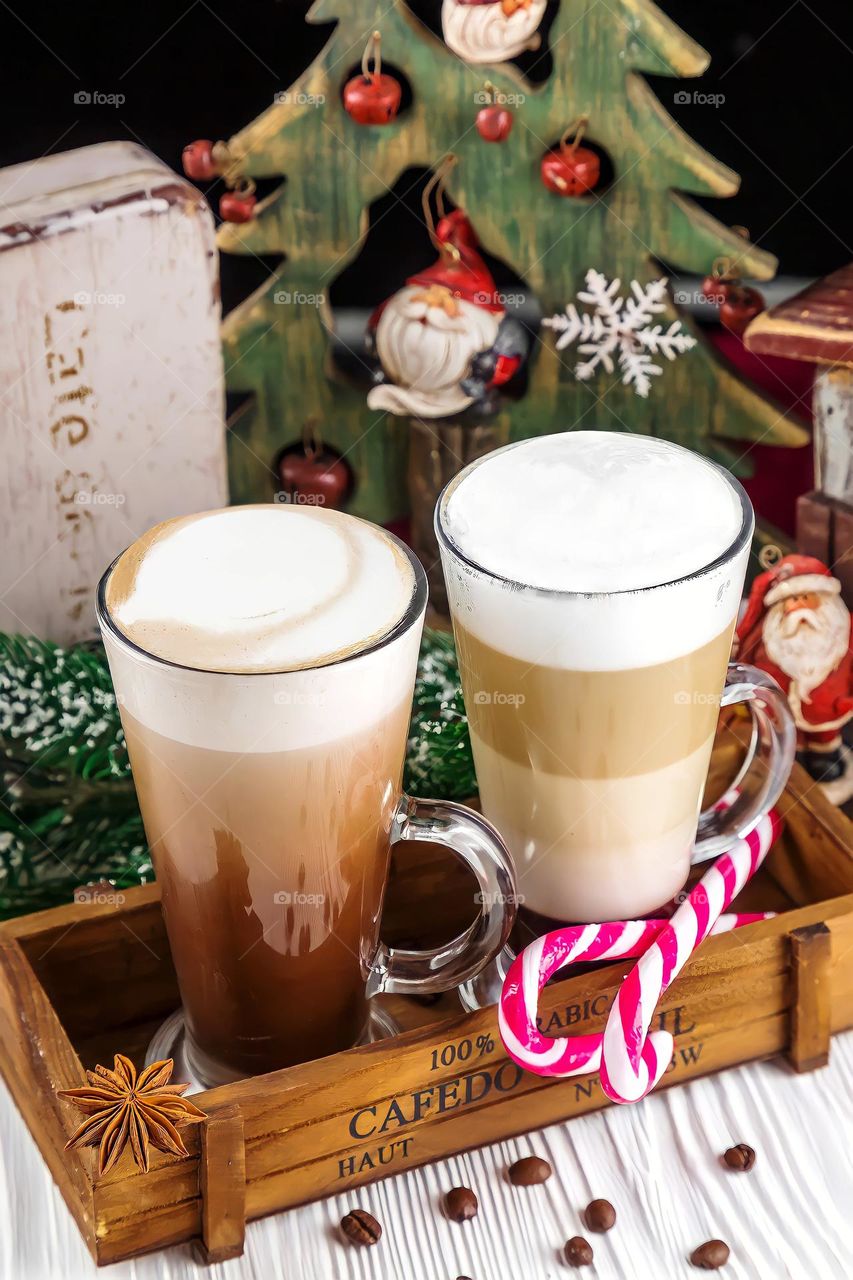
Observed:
{"x":663,"y":947}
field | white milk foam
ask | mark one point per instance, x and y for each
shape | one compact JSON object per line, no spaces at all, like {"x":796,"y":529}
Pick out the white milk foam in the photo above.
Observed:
{"x":260,"y":603}
{"x":262,"y":588}
{"x":590,"y":520}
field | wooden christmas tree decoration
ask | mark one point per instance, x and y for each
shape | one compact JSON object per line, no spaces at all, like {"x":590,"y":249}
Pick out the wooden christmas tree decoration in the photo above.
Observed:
{"x":334,"y":169}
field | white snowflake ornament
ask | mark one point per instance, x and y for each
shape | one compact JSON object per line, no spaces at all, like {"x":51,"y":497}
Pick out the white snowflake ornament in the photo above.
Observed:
{"x":620,"y":330}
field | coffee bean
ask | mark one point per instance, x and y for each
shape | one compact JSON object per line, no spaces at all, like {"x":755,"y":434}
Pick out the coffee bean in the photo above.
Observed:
{"x":740,"y":1157}
{"x":529,"y":1172}
{"x":710,"y":1255}
{"x":578,"y":1252}
{"x":599,"y":1215}
{"x":460,"y":1204}
{"x":360,"y":1227}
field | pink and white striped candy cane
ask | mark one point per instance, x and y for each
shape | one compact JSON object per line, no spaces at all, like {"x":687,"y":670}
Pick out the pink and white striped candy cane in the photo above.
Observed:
{"x":632,"y":1060}
{"x":578,"y":1055}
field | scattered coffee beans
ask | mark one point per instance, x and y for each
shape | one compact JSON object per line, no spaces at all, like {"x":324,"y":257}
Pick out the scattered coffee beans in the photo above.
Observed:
{"x":360,"y":1227}
{"x":460,"y":1204}
{"x":599,"y":1215}
{"x":740,"y":1157}
{"x":578,"y":1252}
{"x":529,"y":1171}
{"x":710,"y":1255}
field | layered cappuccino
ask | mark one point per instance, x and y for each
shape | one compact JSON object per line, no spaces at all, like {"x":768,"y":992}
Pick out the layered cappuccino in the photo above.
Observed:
{"x":264,"y":659}
{"x":594,"y":581}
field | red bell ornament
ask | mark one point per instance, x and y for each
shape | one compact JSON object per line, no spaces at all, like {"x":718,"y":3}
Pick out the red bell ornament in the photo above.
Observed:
{"x":238,"y":205}
{"x":204,"y":160}
{"x":740,"y":308}
{"x":571,"y":170}
{"x":494,"y":122}
{"x":312,"y":474}
{"x":372,"y":97}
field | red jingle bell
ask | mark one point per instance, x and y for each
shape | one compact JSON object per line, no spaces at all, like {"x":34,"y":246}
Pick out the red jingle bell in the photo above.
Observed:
{"x":571,"y":170}
{"x":716,"y":289}
{"x":372,"y":97}
{"x":238,"y":205}
{"x":740,"y":308}
{"x":494,"y":122}
{"x":312,"y":474}
{"x":197,"y":159}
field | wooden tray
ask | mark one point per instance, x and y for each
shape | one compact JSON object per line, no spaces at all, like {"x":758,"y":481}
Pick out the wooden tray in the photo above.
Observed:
{"x":82,"y":982}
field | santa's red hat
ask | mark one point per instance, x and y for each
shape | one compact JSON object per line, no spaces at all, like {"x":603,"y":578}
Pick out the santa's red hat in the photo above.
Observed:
{"x":792,"y":576}
{"x":460,"y":268}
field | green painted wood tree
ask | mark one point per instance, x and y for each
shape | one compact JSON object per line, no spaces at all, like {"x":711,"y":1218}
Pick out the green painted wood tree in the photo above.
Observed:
{"x":333,"y":169}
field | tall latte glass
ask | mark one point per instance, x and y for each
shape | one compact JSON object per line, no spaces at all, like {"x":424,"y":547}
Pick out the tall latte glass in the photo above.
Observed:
{"x":594,"y":580}
{"x":264,"y":660}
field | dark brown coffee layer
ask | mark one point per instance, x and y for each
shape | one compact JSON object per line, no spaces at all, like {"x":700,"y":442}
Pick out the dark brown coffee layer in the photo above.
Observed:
{"x":272,"y":868}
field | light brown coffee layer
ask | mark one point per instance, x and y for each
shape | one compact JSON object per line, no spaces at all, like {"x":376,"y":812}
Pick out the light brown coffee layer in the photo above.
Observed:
{"x":592,"y":724}
{"x":272,"y":868}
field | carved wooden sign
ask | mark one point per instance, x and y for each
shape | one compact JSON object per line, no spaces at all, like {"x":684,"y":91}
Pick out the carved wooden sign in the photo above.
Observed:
{"x":110,"y":373}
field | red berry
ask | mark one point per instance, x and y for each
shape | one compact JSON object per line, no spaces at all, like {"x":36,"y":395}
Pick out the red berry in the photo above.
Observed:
{"x":570,"y":171}
{"x":197,"y":159}
{"x":372,"y":99}
{"x":237,"y":206}
{"x":494,"y":124}
{"x":740,"y":308}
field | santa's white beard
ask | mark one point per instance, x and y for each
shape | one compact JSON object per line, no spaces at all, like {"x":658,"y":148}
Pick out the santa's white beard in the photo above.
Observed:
{"x":484,"y":33}
{"x":807,"y":644}
{"x":425,"y":354}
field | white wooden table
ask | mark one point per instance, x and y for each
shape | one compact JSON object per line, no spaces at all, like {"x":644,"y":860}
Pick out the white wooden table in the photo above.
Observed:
{"x":790,"y":1218}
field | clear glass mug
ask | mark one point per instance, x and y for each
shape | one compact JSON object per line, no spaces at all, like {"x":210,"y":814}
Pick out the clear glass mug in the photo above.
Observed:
{"x":271,"y":838}
{"x":595,"y":777}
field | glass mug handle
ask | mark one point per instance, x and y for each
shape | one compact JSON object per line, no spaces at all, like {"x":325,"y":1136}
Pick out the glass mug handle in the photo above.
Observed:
{"x":476,"y":842}
{"x":765,"y":770}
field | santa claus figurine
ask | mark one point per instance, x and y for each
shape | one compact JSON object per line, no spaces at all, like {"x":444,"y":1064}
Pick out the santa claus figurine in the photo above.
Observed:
{"x":797,"y":628}
{"x":491,"y":30}
{"x":444,"y":342}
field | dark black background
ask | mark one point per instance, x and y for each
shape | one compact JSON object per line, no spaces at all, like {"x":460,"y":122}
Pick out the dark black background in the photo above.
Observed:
{"x":203,"y":69}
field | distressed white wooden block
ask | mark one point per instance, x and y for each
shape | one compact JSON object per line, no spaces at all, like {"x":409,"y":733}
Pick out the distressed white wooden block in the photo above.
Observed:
{"x":111,"y":380}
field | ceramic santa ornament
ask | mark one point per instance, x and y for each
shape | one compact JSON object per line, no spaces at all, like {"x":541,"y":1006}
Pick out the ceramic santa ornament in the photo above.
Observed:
{"x":444,"y":342}
{"x":797,"y":628}
{"x":491,"y":30}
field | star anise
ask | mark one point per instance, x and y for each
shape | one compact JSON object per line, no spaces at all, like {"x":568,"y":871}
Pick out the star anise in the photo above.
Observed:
{"x":123,"y":1107}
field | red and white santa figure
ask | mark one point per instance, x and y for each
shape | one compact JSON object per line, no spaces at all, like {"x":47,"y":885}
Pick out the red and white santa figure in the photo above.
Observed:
{"x":444,"y":342}
{"x":797,"y":628}
{"x":491,"y":30}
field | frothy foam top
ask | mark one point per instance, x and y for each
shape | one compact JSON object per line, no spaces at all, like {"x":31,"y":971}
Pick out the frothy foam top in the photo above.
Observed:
{"x":260,"y":588}
{"x":593,"y":511}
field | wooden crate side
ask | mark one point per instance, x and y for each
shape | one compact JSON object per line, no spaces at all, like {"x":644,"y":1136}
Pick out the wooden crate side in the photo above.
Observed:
{"x":36,"y":1059}
{"x":345,"y":1120}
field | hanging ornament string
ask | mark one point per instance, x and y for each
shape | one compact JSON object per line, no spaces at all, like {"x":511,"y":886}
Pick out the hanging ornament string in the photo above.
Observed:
{"x":373,"y":49}
{"x":578,"y":128}
{"x":437,"y":184}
